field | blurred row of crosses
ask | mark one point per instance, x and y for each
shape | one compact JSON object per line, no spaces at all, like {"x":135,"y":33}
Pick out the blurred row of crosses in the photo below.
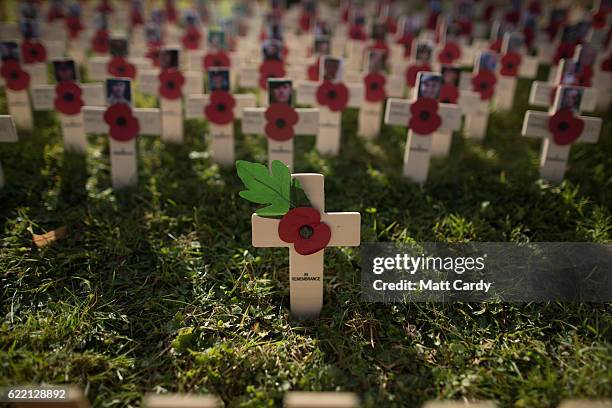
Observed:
{"x":76,"y":399}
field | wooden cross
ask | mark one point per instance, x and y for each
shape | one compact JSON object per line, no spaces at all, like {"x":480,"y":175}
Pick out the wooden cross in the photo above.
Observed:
{"x":299,"y":399}
{"x":171,"y":109}
{"x":475,"y":109}
{"x":330,"y":123}
{"x":124,"y":163}
{"x":221,"y":136}
{"x":554,"y":156}
{"x":306,"y":271}
{"x":254,"y":122}
{"x":97,"y":66}
{"x":180,"y":401}
{"x":418,"y":147}
{"x":8,"y":134}
{"x":72,"y":126}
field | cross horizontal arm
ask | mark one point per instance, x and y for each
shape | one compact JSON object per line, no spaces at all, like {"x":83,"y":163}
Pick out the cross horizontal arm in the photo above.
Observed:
{"x":398,"y":113}
{"x":43,"y":95}
{"x":197,"y":103}
{"x":254,"y":121}
{"x":149,"y":120}
{"x":8,"y":133}
{"x":535,"y":124}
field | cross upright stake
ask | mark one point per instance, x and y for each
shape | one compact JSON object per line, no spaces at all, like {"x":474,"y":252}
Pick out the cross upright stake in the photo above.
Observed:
{"x":306,"y":271}
{"x":556,"y":147}
{"x":8,"y":134}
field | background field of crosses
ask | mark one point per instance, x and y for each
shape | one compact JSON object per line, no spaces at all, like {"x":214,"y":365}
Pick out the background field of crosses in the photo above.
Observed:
{"x":158,"y":288}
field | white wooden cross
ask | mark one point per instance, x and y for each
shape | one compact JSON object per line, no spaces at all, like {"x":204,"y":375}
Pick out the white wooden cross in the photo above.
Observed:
{"x":506,"y":84}
{"x":330,"y":122}
{"x":8,"y":134}
{"x":123,"y":159}
{"x":306,"y":271}
{"x":307,"y":399}
{"x":221,"y":136}
{"x":475,"y":109}
{"x":554,"y":157}
{"x":171,"y":109}
{"x":97,"y":66}
{"x":73,"y":126}
{"x":180,"y":401}
{"x":418,"y":147}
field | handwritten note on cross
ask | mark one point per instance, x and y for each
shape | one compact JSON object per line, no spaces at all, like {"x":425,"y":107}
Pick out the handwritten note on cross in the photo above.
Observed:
{"x":306,"y":271}
{"x":221,"y":136}
{"x":418,"y":147}
{"x":254,"y":122}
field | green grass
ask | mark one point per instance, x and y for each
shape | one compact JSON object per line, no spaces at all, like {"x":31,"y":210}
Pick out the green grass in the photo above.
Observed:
{"x":158,"y":288}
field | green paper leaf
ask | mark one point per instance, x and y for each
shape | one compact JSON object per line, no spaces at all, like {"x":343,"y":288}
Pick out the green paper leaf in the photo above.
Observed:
{"x":264,"y":187}
{"x":298,"y":196}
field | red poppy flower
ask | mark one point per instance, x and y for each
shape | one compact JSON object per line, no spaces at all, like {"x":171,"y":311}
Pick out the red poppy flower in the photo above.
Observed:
{"x":54,"y":13}
{"x":599,"y":19}
{"x":100,"y":42}
{"x":68,"y":98}
{"x":565,"y":127}
{"x":171,"y":12}
{"x":280,"y":119}
{"x":406,"y":40}
{"x":356,"y":32}
{"x":466,"y":27}
{"x":381,"y":46}
{"x":119,"y":67}
{"x":535,"y":7}
{"x":220,"y":109}
{"x":153,"y":55}
{"x":512,"y":17}
{"x":424,"y":118}
{"x":270,"y":69}
{"x":432,"y":20}
{"x":15,"y":77}
{"x":191,"y":38}
{"x":33,"y":52}
{"x":606,"y":65}
{"x":391,"y":25}
{"x":136,"y":18}
{"x":305,"y":21}
{"x":484,"y":83}
{"x":171,"y":82}
{"x":510,"y":63}
{"x":585,"y":77}
{"x":450,"y":53}
{"x":334,"y":96}
{"x":449,"y":94}
{"x":123,"y":125}
{"x":303,"y":228}
{"x":495,"y":45}
{"x":375,"y":87}
{"x":313,"y":71}
{"x":529,"y":35}
{"x":216,"y":59}
{"x":413,"y":70}
{"x":74,"y":26}
{"x":564,"y":50}
{"x":105,"y":6}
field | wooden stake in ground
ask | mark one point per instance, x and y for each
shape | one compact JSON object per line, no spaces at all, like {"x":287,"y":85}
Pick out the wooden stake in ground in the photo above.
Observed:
{"x":422,"y":116}
{"x":304,"y":227}
{"x":123,"y":124}
{"x":8,"y":134}
{"x":560,"y":128}
{"x":16,"y":84}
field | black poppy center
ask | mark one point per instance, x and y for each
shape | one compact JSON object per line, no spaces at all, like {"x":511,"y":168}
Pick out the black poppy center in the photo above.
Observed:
{"x":484,"y":85}
{"x":446,"y":100}
{"x":221,"y":107}
{"x":68,"y":97}
{"x":374,"y":86}
{"x":424,"y":115}
{"x":449,"y":55}
{"x":280,"y":123}
{"x":14,"y":75}
{"x":217,"y":63}
{"x":563,"y":126}
{"x":331,"y":94}
{"x":306,"y":231}
{"x":170,"y":84}
{"x":510,"y":65}
{"x":121,"y":121}
{"x":33,"y":52}
{"x":121,"y":69}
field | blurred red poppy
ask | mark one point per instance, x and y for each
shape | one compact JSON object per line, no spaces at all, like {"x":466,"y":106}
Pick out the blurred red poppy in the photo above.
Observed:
{"x":220,"y":108}
{"x":171,"y":82}
{"x":333,"y":95}
{"x":450,"y":53}
{"x":191,"y":38}
{"x":484,"y":84}
{"x":375,"y":87}
{"x":564,"y":50}
{"x":510,"y":63}
{"x":270,"y":69}
{"x":565,"y":127}
{"x":123,"y":126}
{"x":413,"y":70}
{"x":119,"y":67}
{"x":449,"y":93}
{"x":424,"y":118}
{"x":68,"y":98}
{"x":15,"y":78}
{"x":216,"y":59}
{"x":280,"y":119}
{"x":33,"y":52}
{"x":100,"y":42}
{"x":74,"y":26}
